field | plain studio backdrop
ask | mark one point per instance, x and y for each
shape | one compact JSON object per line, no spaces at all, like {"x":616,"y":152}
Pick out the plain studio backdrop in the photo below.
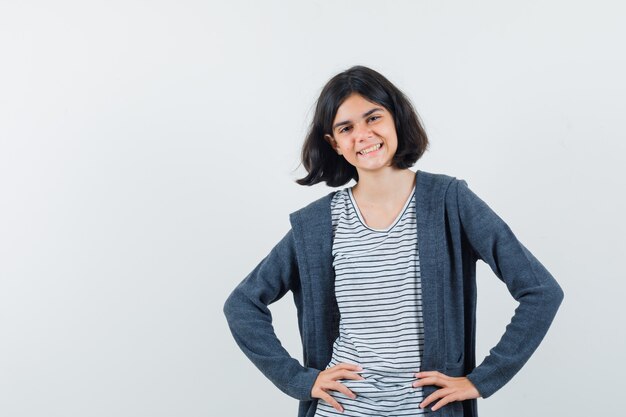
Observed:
{"x":148,"y":152}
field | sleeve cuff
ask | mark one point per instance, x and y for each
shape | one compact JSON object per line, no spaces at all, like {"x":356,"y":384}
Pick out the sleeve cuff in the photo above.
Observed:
{"x":301,"y":385}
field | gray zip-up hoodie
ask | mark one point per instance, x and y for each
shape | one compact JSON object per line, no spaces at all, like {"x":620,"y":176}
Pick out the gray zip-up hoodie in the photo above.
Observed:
{"x":455,"y":228}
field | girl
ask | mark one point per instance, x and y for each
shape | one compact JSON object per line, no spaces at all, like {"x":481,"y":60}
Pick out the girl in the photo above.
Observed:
{"x":383,"y":272}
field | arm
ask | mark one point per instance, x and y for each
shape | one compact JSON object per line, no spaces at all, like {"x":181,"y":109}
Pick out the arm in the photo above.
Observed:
{"x":528,"y":281}
{"x":250,"y":320}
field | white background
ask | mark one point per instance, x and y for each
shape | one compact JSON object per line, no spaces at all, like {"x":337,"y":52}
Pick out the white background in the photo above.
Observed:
{"x":148,"y":152}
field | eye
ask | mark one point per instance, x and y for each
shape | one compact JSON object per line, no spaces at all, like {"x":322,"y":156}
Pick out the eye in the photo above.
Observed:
{"x":374,"y":117}
{"x":343,"y":129}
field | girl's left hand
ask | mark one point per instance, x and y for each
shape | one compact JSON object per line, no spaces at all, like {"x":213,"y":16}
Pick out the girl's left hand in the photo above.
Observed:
{"x":454,"y":388}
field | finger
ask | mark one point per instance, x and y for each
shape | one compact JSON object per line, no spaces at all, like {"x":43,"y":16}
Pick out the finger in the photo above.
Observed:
{"x":445,"y":400}
{"x":430,"y":373}
{"x":433,"y":397}
{"x":330,"y":400}
{"x":432,"y":380}
{"x":338,"y":386}
{"x":349,"y":375}
{"x":348,"y":366}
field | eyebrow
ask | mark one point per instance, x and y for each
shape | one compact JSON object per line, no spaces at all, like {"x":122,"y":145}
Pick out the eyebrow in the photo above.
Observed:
{"x":367,"y":113}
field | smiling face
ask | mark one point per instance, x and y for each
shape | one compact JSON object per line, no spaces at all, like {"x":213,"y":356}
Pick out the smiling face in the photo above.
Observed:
{"x":364,"y":133}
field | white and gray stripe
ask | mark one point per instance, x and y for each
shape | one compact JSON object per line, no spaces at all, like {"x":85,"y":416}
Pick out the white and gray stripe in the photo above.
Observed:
{"x":378,"y":292}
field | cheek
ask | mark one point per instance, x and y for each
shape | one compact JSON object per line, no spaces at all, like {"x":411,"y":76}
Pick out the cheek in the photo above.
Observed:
{"x":390,"y":132}
{"x":393,"y":146}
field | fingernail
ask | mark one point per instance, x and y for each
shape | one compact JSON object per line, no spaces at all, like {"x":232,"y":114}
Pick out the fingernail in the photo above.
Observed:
{"x":359,"y":368}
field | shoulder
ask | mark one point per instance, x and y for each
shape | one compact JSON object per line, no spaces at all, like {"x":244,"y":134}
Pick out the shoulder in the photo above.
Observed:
{"x":315,"y":211}
{"x":434,"y":176}
{"x":437,"y":184}
{"x":312,"y":225}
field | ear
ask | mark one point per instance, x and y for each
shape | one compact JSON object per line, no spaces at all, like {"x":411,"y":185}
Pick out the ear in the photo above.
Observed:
{"x":332,"y":142}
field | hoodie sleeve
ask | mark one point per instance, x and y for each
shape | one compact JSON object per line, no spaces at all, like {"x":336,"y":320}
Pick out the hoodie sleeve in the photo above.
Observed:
{"x":250,"y":320}
{"x":529,"y":282}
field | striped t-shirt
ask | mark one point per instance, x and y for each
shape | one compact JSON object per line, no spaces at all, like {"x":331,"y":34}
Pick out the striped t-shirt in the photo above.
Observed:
{"x":377,"y":285}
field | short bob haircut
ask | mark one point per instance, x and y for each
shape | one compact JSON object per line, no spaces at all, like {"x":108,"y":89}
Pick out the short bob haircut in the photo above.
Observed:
{"x":320,"y":159}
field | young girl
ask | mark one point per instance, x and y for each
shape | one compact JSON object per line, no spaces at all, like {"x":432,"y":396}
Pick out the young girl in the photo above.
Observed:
{"x":383,"y":272}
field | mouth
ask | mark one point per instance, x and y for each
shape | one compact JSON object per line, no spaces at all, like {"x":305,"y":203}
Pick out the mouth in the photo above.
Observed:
{"x":372,"y":149}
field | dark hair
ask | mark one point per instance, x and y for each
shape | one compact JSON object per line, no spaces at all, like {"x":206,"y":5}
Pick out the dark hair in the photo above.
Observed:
{"x":318,"y":157}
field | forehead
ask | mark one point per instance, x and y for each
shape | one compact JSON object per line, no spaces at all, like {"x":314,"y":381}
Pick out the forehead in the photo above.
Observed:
{"x":354,"y":106}
{"x":356,"y":102}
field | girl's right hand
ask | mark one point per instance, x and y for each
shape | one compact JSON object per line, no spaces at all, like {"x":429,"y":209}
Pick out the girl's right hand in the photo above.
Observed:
{"x":327,"y":380}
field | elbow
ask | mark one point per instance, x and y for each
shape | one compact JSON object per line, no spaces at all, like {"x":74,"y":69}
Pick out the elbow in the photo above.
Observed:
{"x":554,"y":296}
{"x":561,"y":294}
{"x":236,"y":307}
{"x":229,"y":307}
{"x":558,"y":292}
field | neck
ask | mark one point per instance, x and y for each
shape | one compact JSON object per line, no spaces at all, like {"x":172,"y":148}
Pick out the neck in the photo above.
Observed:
{"x":385,"y":185}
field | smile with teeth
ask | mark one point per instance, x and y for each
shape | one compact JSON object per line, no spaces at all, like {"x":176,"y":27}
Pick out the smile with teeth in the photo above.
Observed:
{"x":370,"y":149}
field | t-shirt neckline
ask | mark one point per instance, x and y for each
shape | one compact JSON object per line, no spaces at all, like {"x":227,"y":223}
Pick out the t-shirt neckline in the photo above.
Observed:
{"x":393,"y":223}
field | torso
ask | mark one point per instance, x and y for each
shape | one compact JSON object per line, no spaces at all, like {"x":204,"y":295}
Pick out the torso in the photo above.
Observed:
{"x":378,"y":292}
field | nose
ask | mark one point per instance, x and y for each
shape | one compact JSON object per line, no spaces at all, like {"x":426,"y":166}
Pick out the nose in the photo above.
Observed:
{"x":362,"y":131}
